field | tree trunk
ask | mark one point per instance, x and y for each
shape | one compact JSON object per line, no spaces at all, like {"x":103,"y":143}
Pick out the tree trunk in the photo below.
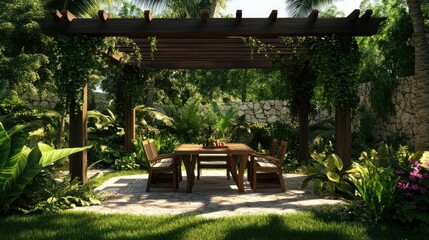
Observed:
{"x":421,"y":48}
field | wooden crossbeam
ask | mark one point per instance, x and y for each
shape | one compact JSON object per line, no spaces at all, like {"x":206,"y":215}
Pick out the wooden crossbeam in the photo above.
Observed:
{"x":68,"y":16}
{"x":103,"y":15}
{"x":353,"y":16}
{"x":204,"y":15}
{"x":56,"y":14}
{"x":238,"y":15}
{"x":366,"y":16}
{"x":148,"y":16}
{"x":313,"y":16}
{"x":273,"y":16}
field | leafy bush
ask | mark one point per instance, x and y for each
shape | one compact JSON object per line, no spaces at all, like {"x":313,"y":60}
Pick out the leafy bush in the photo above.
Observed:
{"x":53,"y":195}
{"x":376,"y":185}
{"x":19,"y":164}
{"x":106,"y":135}
{"x":127,"y":162}
{"x":413,"y":191}
{"x":261,"y":134}
{"x":327,"y":175}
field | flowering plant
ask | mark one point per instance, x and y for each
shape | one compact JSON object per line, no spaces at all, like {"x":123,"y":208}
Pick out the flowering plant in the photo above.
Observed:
{"x":413,"y":188}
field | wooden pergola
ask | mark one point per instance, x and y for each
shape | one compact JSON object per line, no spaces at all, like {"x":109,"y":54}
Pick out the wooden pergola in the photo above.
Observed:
{"x":206,"y":43}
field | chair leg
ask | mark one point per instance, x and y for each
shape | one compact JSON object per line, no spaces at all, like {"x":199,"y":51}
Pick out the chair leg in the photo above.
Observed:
{"x":149,"y":181}
{"x":282,"y":182}
{"x":227,"y":172}
{"x":175,"y":182}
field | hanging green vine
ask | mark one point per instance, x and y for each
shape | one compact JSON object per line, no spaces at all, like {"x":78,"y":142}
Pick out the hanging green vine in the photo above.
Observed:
{"x":78,"y":60}
{"x":337,"y":69}
{"x":152,"y":46}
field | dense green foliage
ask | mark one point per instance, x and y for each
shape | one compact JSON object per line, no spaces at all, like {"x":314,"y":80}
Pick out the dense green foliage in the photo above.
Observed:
{"x":19,"y":164}
{"x":388,"y":55}
{"x":23,"y":58}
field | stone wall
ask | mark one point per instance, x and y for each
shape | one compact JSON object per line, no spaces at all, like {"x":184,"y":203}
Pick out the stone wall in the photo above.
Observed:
{"x":269,"y":111}
{"x":403,"y":123}
{"x":96,"y":100}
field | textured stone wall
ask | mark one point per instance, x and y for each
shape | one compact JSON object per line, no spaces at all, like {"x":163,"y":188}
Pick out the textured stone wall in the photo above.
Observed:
{"x":96,"y":100}
{"x":268,"y":111}
{"x":403,"y":123}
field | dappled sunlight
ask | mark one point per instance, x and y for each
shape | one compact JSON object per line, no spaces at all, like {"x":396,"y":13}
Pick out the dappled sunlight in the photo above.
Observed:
{"x":213,"y":196}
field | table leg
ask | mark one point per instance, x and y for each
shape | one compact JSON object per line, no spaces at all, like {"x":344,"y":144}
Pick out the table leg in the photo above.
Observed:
{"x":240,"y":182}
{"x":190,"y":175}
{"x":233,"y":167}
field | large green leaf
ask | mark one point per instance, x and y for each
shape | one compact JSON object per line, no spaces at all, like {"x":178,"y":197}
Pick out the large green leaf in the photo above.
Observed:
{"x":50,"y":155}
{"x":7,"y":172}
{"x":334,"y":161}
{"x":333,"y":176}
{"x":29,"y":164}
{"x":4,"y":146}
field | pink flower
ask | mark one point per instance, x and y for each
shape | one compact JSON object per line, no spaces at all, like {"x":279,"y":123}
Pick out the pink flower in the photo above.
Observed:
{"x":415,"y":175}
{"x":399,"y":171}
{"x":414,"y":187}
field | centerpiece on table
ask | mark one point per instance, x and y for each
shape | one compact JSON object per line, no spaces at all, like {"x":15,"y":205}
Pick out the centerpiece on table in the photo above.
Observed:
{"x":214,"y":143}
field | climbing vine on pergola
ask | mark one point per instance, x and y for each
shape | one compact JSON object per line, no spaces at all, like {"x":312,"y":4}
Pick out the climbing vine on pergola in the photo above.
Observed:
{"x":213,"y":44}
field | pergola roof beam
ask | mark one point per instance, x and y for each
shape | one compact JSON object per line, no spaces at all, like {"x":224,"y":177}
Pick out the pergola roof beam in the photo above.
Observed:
{"x":273,"y":16}
{"x":313,"y":16}
{"x":68,"y":16}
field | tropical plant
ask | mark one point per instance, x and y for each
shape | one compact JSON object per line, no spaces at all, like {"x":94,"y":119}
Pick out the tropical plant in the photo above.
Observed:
{"x":188,"y":121}
{"x":328,"y":175}
{"x":376,"y":185}
{"x":46,"y":194}
{"x":19,"y":164}
{"x":220,"y":120}
{"x":127,"y":162}
{"x":106,"y":136}
{"x":240,"y":130}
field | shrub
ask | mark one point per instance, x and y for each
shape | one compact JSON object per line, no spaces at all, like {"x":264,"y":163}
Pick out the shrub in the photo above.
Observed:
{"x":413,"y":188}
{"x":376,"y":185}
{"x":328,"y":175}
{"x":127,"y":162}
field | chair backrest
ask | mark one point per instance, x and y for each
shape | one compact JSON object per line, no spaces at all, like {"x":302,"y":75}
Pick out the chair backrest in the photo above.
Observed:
{"x":282,"y":150}
{"x":153,"y":148}
{"x":273,"y":147}
{"x":148,"y":150}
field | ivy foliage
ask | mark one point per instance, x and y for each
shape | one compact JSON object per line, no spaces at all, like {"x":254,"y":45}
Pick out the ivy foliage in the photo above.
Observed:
{"x":295,"y":68}
{"x":336,"y":68}
{"x":79,"y":61}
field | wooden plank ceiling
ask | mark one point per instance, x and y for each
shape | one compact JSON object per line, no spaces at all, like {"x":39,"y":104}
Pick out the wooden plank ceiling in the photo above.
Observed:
{"x":208,"y":43}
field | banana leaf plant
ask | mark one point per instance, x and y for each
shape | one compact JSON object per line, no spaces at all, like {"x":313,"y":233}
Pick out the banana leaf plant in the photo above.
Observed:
{"x":20,"y":164}
{"x":327,"y":174}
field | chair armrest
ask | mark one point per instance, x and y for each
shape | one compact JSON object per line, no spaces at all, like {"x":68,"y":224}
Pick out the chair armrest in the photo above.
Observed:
{"x":274,"y":160}
{"x":166,"y":155}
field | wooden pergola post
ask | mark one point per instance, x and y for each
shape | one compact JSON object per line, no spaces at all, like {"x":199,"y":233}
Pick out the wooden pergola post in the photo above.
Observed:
{"x":78,"y":138}
{"x":343,"y":120}
{"x":130,"y":127}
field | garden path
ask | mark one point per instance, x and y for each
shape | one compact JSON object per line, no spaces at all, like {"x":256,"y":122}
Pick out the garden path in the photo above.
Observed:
{"x":212,"y":196}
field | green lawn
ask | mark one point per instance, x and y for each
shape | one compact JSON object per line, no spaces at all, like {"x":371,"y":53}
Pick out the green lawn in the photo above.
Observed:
{"x":307,"y":225}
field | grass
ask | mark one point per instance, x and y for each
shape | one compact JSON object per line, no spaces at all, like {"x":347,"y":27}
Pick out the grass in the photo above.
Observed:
{"x":84,"y":225}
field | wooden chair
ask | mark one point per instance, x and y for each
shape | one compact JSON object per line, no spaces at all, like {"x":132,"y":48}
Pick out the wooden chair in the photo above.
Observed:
{"x":259,"y":156}
{"x":212,"y":161}
{"x":267,"y":170}
{"x":163,"y":170}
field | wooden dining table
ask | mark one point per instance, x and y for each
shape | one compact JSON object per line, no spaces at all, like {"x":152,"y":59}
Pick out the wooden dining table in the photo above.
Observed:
{"x":234,"y":151}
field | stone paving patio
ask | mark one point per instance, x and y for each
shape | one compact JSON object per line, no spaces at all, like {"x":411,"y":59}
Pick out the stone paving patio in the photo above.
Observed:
{"x":212,"y":196}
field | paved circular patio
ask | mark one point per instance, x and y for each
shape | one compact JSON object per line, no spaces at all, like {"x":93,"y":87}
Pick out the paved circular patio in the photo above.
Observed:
{"x":212,"y":196}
